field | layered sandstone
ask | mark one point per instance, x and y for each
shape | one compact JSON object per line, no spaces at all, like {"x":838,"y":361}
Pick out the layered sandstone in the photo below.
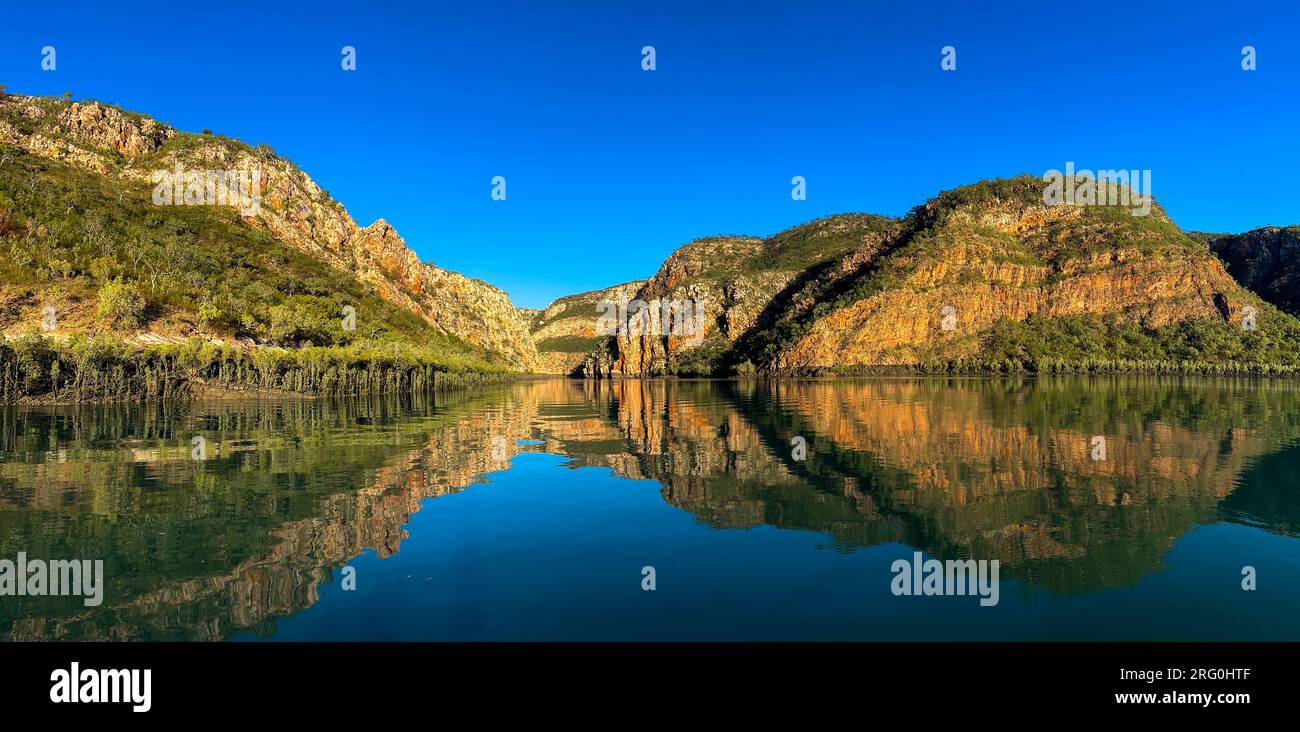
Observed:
{"x":566,"y":331}
{"x":931,"y":287}
{"x":734,"y":287}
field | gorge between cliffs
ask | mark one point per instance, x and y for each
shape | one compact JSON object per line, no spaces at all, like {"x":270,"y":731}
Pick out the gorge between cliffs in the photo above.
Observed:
{"x":110,"y":292}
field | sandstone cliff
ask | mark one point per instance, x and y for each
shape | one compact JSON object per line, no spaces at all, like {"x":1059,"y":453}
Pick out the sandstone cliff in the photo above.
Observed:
{"x":983,"y":275}
{"x":995,"y":251}
{"x":735,"y":287}
{"x":565,"y":331}
{"x":970,"y":277}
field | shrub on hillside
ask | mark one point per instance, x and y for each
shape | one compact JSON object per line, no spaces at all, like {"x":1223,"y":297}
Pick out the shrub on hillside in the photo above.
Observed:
{"x":35,"y":357}
{"x":123,"y":303}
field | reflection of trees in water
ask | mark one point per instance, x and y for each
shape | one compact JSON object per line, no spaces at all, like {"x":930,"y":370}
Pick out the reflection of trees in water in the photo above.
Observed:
{"x":967,"y":467}
{"x":196,"y":550}
{"x":963,"y":467}
{"x":1267,"y":495}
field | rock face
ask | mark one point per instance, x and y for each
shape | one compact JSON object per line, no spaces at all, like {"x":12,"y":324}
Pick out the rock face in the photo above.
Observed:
{"x":860,"y":291}
{"x":292,"y":208}
{"x":99,"y":126}
{"x":1267,"y":260}
{"x":1006,"y":255}
{"x":91,"y":136}
{"x":705,"y":274}
{"x":845,"y":292}
{"x":565,"y":331}
{"x":734,"y":287}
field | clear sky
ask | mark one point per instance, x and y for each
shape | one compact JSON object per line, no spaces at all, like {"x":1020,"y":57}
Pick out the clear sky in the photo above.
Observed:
{"x":609,"y":167}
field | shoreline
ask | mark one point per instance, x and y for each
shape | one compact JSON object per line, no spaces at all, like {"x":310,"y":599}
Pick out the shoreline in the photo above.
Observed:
{"x":224,"y":393}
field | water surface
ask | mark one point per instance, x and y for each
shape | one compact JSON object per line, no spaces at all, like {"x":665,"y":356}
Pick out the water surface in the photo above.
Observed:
{"x":529,"y":510}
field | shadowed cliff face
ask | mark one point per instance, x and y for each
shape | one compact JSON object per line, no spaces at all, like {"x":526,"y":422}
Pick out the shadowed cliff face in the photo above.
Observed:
{"x":961,"y":468}
{"x":1267,"y":260}
{"x":129,"y":148}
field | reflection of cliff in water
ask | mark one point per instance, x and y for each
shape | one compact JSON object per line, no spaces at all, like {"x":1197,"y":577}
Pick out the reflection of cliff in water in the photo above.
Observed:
{"x":972,"y":467}
{"x":961,"y":468}
{"x":198,"y":550}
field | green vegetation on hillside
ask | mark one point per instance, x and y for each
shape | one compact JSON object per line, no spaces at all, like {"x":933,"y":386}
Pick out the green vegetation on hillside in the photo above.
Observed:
{"x":1043,"y":344}
{"x":570,"y":344}
{"x":1093,"y":343}
{"x":108,"y":261}
{"x":69,"y":234}
{"x":819,"y":242}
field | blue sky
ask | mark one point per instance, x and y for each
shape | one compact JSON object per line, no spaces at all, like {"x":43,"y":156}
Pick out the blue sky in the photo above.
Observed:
{"x":609,"y":167}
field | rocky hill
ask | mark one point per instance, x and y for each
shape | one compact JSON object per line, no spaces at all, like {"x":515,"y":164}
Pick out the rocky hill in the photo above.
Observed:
{"x":740,"y":286}
{"x":986,"y":276}
{"x":76,"y":211}
{"x":982,"y":277}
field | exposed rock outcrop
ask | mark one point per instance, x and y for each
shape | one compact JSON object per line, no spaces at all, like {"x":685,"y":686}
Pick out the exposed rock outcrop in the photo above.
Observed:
{"x":734,"y":287}
{"x":859,"y":291}
{"x":566,"y":330}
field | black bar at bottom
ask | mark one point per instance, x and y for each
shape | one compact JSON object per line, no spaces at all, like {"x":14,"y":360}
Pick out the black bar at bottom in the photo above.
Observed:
{"x":298,"y":682}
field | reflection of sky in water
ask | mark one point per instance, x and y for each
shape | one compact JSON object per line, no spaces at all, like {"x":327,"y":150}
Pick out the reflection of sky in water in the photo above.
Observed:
{"x":452,"y":540}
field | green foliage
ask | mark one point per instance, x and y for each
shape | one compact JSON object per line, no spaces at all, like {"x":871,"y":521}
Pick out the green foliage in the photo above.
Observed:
{"x":210,"y":315}
{"x":179,"y":268}
{"x":1041,"y":344}
{"x":103,"y":368}
{"x":569,"y":344}
{"x":31,"y":359}
{"x":707,"y":359}
{"x":1023,"y":190}
{"x":122,"y":303}
{"x":307,"y":320}
{"x":820,"y":241}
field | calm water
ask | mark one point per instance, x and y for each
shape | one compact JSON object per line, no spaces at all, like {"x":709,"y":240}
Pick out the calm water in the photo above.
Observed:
{"x":527,"y":511}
